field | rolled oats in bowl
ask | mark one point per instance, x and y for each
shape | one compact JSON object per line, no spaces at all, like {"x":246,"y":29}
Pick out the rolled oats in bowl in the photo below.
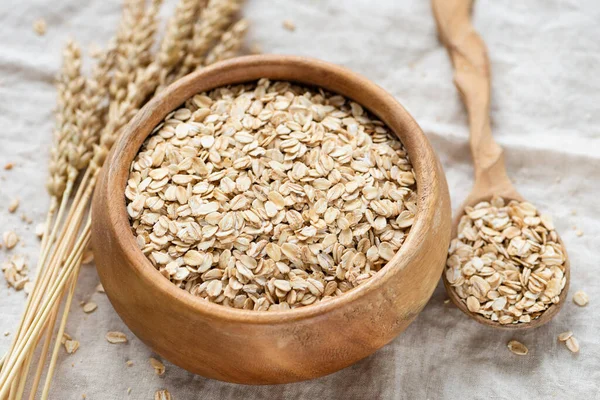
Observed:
{"x":270,"y":196}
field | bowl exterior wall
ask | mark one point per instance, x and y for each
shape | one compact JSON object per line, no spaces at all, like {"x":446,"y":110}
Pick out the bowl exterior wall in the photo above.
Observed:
{"x":243,"y":348}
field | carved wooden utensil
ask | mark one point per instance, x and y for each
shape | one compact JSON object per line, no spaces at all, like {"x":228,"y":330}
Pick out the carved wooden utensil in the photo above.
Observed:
{"x":473,"y":81}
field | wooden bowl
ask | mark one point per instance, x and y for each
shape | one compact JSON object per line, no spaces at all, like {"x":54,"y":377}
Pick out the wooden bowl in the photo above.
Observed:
{"x":267,"y":347}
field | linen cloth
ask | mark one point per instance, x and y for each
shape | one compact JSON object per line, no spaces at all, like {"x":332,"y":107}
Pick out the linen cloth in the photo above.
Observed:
{"x":546,"y":91}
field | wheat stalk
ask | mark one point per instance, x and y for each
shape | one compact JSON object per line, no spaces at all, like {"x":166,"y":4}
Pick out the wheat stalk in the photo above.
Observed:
{"x":12,"y":366}
{"x":213,"y":22}
{"x":131,"y":16}
{"x":144,"y":36}
{"x":90,"y":123}
{"x":89,"y":120}
{"x":71,"y":98}
{"x":70,"y":85}
{"x":91,"y":114}
{"x":76,"y":148}
{"x":178,"y":37}
{"x":230,"y":43}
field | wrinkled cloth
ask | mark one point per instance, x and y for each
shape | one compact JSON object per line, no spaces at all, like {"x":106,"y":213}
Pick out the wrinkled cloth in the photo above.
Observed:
{"x":544,"y":55}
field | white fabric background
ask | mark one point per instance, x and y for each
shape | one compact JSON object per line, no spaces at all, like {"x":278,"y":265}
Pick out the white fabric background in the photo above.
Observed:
{"x":546,"y":91}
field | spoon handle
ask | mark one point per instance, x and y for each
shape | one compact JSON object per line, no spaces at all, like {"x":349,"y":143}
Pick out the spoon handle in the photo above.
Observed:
{"x":473,"y":81}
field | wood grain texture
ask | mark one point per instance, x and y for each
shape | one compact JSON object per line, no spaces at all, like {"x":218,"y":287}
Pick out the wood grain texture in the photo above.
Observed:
{"x":472,"y":78}
{"x":265,"y":347}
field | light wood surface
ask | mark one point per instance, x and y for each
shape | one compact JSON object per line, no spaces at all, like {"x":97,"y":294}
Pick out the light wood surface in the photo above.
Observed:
{"x":270,"y":347}
{"x":472,"y":77}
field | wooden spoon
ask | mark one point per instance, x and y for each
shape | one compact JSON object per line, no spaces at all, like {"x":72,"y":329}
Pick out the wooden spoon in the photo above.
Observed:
{"x":472,"y":79}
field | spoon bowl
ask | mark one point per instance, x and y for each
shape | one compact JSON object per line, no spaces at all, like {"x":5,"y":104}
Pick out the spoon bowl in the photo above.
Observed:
{"x":472,"y":78}
{"x":473,"y":199}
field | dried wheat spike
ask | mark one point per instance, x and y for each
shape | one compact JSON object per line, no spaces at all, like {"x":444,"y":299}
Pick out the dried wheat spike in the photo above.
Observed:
{"x":70,"y":84}
{"x":144,"y":36}
{"x":120,"y":113}
{"x":92,"y":113}
{"x":213,"y":22}
{"x":178,"y":35}
{"x":134,"y":78}
{"x":133,"y":12}
{"x":135,"y":8}
{"x":230,"y":43}
{"x":142,"y":81}
{"x":135,"y":52}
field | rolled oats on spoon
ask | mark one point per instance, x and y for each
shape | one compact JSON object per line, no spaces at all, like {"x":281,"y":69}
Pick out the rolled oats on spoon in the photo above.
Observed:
{"x":506,"y":263}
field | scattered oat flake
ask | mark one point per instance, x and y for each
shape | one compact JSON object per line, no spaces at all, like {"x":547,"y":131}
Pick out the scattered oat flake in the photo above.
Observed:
{"x":289,"y":25}
{"x":39,"y":230}
{"x":565,"y":336}
{"x":572,"y":344}
{"x":579,"y":233}
{"x":162,"y":395}
{"x":39,"y":26}
{"x":65,"y":337}
{"x":129,"y":363}
{"x":28,"y":287}
{"x":158,"y":366}
{"x":447,"y":301}
{"x":116,"y":337}
{"x":12,"y":207}
{"x":8,"y":166}
{"x":100,"y":288}
{"x":89,"y":307}
{"x":20,"y":284}
{"x":517,"y":348}
{"x":10,"y":239}
{"x":71,"y":346}
{"x":128,"y":391}
{"x":15,"y":272}
{"x":581,"y":298}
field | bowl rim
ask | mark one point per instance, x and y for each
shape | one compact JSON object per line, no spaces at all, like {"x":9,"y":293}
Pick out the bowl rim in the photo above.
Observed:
{"x":304,"y":70}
